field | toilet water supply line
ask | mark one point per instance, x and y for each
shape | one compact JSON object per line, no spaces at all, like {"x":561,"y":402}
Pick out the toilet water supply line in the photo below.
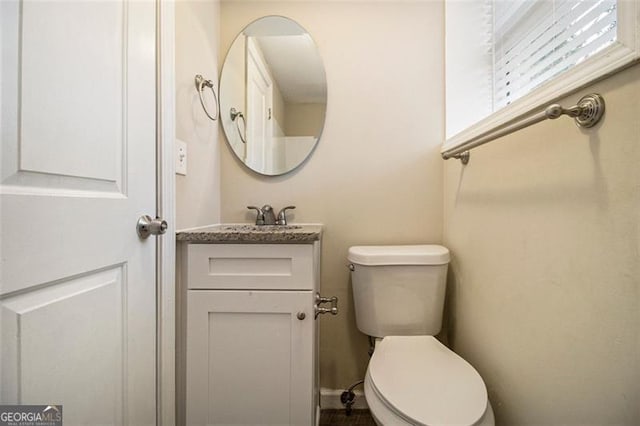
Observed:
{"x":348,"y":397}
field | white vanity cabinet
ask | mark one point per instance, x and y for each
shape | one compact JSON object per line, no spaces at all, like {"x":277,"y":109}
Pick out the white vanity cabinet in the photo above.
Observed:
{"x":249,"y":335}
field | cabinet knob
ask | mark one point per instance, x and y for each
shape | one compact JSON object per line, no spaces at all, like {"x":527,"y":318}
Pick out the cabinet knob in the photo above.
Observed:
{"x":301,"y":316}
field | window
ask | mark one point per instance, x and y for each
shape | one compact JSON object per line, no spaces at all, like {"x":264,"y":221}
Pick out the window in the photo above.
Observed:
{"x":506,"y":58}
{"x":535,"y":41}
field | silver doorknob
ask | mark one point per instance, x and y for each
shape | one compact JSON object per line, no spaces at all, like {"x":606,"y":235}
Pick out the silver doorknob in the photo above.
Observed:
{"x":148,"y":226}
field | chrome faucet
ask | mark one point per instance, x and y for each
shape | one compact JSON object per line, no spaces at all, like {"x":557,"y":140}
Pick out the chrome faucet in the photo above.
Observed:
{"x":266,"y":216}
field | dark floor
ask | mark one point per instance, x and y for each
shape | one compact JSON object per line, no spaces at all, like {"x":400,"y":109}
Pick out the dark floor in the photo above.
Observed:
{"x":339,"y":418}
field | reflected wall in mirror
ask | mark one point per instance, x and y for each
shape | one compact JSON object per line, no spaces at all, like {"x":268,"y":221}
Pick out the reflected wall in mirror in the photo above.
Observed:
{"x":273,"y":95}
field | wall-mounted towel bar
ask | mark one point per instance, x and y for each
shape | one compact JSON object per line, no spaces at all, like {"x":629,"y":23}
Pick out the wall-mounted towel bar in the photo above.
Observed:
{"x":587,"y":113}
{"x":201,"y":83}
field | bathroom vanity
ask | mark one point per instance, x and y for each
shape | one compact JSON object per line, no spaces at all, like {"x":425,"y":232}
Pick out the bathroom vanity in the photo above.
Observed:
{"x":247,"y":334}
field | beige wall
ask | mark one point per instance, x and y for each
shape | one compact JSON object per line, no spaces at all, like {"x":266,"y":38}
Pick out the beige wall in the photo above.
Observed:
{"x":544,"y":284}
{"x":197,"y":40}
{"x":305,"y":119}
{"x":376,"y":175}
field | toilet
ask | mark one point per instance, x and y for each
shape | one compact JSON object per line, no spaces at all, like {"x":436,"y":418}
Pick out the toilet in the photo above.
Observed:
{"x":412,"y":378}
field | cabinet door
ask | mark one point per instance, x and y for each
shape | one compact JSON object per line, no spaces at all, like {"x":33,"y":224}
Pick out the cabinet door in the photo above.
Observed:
{"x":250,"y":358}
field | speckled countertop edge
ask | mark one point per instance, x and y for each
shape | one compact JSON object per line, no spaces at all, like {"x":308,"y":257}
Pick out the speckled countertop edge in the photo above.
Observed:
{"x":219,"y":233}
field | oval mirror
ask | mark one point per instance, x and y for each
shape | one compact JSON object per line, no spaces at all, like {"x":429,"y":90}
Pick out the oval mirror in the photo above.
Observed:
{"x":273,"y":95}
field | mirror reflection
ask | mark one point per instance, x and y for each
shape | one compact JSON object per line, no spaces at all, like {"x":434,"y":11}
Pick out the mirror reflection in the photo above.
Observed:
{"x":273,"y":95}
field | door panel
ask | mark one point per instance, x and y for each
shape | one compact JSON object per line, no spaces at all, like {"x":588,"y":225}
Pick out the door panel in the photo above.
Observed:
{"x":90,"y":37}
{"x":45,"y":321}
{"x":77,"y":287}
{"x":235,"y":339}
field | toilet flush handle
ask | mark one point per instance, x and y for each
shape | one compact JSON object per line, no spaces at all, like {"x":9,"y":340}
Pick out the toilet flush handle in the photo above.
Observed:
{"x":333,"y":310}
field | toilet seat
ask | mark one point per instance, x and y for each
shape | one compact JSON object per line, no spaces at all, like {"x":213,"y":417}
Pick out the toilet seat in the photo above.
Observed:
{"x":425,"y":383}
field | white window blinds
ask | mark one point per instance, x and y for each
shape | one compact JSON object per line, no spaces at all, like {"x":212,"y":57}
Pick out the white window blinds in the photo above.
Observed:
{"x":535,"y":40}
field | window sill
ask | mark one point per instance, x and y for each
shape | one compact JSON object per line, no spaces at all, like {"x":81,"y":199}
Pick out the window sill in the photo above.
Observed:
{"x":611,"y":60}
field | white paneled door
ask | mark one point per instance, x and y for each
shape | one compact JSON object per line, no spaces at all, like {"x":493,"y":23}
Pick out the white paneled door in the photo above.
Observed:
{"x":77,"y":286}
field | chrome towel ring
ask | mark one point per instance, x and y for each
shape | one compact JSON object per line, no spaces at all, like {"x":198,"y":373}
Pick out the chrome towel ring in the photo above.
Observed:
{"x":238,"y":114}
{"x":200,"y":85}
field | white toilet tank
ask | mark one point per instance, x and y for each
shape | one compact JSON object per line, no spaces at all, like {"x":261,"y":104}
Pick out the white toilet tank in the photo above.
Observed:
{"x":399,"y":290}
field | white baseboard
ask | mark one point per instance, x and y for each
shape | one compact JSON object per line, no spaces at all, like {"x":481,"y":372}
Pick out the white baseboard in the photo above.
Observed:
{"x":330,"y":399}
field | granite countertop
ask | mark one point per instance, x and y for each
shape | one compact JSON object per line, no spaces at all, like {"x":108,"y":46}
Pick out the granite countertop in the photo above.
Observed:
{"x":245,"y":233}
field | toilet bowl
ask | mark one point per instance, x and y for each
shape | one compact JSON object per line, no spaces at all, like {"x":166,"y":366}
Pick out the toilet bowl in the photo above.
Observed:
{"x":412,"y":378}
{"x":416,"y":380}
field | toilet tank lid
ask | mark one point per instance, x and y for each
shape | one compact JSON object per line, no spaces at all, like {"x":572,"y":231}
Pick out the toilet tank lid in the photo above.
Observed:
{"x":427,"y":254}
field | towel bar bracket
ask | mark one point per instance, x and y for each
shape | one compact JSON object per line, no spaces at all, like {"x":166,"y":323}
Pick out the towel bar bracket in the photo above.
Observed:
{"x":463,"y":157}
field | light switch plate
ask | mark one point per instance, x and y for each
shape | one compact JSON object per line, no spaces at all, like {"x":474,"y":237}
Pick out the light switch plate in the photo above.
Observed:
{"x":181,"y":157}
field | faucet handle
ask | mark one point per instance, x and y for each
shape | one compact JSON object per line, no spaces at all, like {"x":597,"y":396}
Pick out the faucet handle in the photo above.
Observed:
{"x":259,"y":216}
{"x":282,"y":216}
